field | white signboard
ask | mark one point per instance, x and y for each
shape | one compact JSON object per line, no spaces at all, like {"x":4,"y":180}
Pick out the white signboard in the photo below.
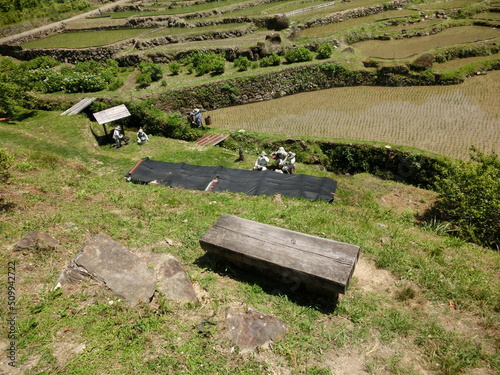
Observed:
{"x":111,"y":114}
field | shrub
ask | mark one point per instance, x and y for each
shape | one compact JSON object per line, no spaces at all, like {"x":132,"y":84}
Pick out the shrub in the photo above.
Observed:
{"x":152,"y":70}
{"x":89,"y":76}
{"x":49,"y":81}
{"x":203,"y":62}
{"x":298,"y":54}
{"x":271,"y":60}
{"x":219,"y":65}
{"x":422,"y":62}
{"x":157,"y":122}
{"x":112,"y":65}
{"x":83,"y":82}
{"x":143,"y":80}
{"x":242,"y":63}
{"x":115,"y":84}
{"x":469,"y":198}
{"x":280,"y":22}
{"x":5,"y":164}
{"x":325,"y":50}
{"x":175,"y":68}
{"x":9,"y":99}
{"x":40,"y":62}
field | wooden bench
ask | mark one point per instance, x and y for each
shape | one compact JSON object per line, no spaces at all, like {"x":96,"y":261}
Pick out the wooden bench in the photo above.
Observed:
{"x":321,"y":265}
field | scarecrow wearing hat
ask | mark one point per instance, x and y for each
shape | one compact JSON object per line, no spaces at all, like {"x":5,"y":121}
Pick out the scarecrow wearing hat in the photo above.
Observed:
{"x":196,"y":115}
{"x":279,"y":158}
{"x":117,"y":137}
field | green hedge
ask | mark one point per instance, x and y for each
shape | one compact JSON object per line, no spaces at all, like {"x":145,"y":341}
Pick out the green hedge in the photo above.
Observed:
{"x":387,"y":163}
{"x":342,"y":158}
{"x":466,"y":51}
{"x":469,"y":198}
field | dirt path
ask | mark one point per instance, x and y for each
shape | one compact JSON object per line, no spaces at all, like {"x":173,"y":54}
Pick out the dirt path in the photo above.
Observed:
{"x":12,"y":38}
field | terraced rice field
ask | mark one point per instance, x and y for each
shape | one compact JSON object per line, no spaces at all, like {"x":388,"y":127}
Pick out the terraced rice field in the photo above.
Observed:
{"x":402,"y":48}
{"x":81,"y":39}
{"x":451,"y":4}
{"x":338,"y":7}
{"x":457,"y":63}
{"x":330,"y":29}
{"x":183,"y":31}
{"x":445,"y":120}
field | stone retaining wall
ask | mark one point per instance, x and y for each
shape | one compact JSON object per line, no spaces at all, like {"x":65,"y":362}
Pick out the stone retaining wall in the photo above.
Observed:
{"x":71,"y":56}
{"x":290,"y":81}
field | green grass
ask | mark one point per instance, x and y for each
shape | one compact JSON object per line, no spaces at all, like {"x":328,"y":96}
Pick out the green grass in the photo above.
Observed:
{"x":66,"y":185}
{"x":394,"y":319}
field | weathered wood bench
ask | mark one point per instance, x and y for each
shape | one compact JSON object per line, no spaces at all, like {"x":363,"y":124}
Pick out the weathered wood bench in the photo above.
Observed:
{"x":321,"y":265}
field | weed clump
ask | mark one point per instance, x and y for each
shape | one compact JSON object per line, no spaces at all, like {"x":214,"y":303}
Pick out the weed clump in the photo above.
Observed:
{"x":405,"y":294}
{"x":422,"y":62}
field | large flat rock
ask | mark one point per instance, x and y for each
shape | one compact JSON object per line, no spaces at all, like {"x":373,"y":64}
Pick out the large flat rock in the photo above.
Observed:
{"x":127,"y":275}
{"x":251,"y":329}
{"x":172,"y":279}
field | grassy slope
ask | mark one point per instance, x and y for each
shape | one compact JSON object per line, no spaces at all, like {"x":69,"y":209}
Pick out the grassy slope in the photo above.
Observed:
{"x":395,"y":318}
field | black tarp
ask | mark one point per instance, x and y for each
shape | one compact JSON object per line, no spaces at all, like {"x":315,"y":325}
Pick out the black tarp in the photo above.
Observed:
{"x":181,"y":175}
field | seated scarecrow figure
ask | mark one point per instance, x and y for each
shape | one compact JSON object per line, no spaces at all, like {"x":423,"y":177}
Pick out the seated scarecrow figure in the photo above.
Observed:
{"x":261,"y":162}
{"x":279,"y":158}
{"x":289,"y":164}
{"x":142,"y":137}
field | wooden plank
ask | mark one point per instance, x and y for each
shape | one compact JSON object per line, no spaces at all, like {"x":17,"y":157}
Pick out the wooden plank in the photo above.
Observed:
{"x":211,"y":139}
{"x":323,"y":265}
{"x":78,"y":107}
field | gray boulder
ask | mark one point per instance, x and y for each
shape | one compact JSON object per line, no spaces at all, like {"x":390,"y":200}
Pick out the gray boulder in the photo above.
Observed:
{"x":109,"y":262}
{"x":36,"y":240}
{"x":251,"y":329}
{"x":171,"y":277}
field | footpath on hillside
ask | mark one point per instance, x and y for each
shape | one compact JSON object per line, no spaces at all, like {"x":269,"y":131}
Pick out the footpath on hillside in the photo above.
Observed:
{"x":97,"y":11}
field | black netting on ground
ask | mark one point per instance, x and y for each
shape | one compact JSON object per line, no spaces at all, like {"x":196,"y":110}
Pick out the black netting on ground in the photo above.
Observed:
{"x":181,"y":175}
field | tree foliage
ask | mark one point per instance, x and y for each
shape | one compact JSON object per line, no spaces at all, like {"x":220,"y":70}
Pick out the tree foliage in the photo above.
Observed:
{"x":203,"y":62}
{"x":298,"y":54}
{"x":13,"y":11}
{"x":325,"y":50}
{"x":154,"y":71}
{"x":242,"y":63}
{"x":271,"y":60}
{"x":469,"y":198}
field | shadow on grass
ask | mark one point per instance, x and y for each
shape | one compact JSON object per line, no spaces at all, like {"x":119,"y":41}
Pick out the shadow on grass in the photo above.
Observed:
{"x":103,"y":140}
{"x":6,"y":206}
{"x":277,"y":285}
